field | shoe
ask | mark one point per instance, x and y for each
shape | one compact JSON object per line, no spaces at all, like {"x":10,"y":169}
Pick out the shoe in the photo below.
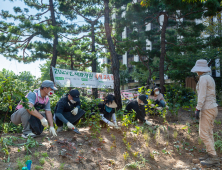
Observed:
{"x":60,"y":129}
{"x":212,"y":160}
{"x":29,"y":134}
{"x":148,"y":123}
{"x":204,"y":157}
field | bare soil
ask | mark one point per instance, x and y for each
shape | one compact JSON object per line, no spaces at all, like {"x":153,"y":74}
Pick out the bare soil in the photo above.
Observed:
{"x":83,"y":152}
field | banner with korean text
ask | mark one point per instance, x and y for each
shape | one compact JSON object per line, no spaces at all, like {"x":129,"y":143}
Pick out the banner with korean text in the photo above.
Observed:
{"x":71,"y":78}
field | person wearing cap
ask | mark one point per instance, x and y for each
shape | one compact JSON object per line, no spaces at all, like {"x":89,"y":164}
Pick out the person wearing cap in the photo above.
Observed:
{"x":68,"y":112}
{"x":138,"y":106}
{"x":107,"y":111}
{"x":157,"y":99}
{"x":206,"y":111}
{"x":31,"y":119}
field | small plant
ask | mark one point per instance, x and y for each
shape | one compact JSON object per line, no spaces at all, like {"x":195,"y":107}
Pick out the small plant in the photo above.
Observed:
{"x":42,"y":161}
{"x":128,"y":146}
{"x":27,"y":157}
{"x":125,"y":156}
{"x":108,"y":129}
{"x":199,"y":141}
{"x":45,"y":154}
{"x":61,"y":167}
{"x":113,"y":137}
{"x":36,"y":154}
{"x":135,"y":154}
{"x":124,"y":140}
{"x":151,"y":155}
{"x":38,"y":167}
{"x":133,"y":165}
{"x":20,"y":163}
{"x":217,"y":122}
{"x":175,"y":134}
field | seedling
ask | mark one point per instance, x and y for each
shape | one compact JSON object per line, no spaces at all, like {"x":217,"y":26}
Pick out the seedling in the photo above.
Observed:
{"x":175,"y":134}
{"x":177,"y":147}
{"x":61,"y":167}
{"x":36,"y":154}
{"x":113,"y":137}
{"x":45,"y":154}
{"x":125,"y":155}
{"x":37,"y":167}
{"x":151,"y":155}
{"x":42,"y":161}
{"x":135,"y":154}
{"x":128,"y":146}
{"x":199,"y":141}
{"x":124,"y":140}
{"x":20,"y":163}
{"x":27,"y":157}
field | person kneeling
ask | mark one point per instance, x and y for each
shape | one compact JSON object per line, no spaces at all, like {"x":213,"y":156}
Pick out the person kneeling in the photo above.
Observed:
{"x":157,"y":99}
{"x":31,"y":119}
{"x":68,"y":111}
{"x":107,"y":111}
{"x":138,"y":107}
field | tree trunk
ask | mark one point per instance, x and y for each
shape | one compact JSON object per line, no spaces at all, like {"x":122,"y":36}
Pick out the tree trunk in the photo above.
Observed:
{"x":72,"y":68}
{"x":163,"y":52}
{"x":115,"y":60}
{"x":149,"y":79}
{"x":55,"y":40}
{"x":94,"y":90}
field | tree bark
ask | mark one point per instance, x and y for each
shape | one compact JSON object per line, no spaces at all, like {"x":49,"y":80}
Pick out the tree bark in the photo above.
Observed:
{"x":94,"y":90}
{"x":114,"y":58}
{"x":72,"y":68}
{"x":163,"y":52}
{"x":55,"y":40}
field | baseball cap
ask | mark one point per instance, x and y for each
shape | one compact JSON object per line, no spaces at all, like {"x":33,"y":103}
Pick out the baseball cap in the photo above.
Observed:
{"x":143,"y":98}
{"x":49,"y":83}
{"x":75,"y":94}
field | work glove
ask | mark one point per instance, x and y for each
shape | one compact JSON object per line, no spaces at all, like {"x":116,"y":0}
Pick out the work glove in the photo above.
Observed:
{"x":110,"y":124}
{"x":152,"y":105}
{"x":75,"y":111}
{"x":52,"y":131}
{"x":44,"y":122}
{"x":116,"y":126}
{"x":70,"y":125}
{"x":159,"y":108}
{"x":167,"y":107}
{"x":148,"y":123}
{"x":197,"y":114}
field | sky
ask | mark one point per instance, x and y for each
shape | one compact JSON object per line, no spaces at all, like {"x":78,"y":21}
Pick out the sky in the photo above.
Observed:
{"x":14,"y":65}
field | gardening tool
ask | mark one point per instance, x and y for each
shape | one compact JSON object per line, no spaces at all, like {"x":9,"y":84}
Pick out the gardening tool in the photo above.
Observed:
{"x":76,"y":130}
{"x":28,"y":164}
{"x":25,"y":168}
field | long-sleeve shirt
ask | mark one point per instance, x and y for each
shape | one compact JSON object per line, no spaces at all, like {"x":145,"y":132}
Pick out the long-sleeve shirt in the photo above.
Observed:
{"x":158,"y":97}
{"x":105,"y":116}
{"x":206,"y":92}
{"x":140,"y":110}
{"x":63,"y":106}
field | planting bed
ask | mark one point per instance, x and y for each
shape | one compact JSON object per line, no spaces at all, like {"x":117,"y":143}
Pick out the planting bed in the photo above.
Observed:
{"x":163,"y":146}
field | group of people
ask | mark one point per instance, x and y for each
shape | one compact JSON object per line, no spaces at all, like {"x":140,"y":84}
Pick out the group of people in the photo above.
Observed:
{"x":68,"y":110}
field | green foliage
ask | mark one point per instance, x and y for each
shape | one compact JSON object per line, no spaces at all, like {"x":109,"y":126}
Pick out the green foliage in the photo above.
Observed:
{"x":45,"y":154}
{"x":38,"y":167}
{"x":20,"y":163}
{"x":42,"y":161}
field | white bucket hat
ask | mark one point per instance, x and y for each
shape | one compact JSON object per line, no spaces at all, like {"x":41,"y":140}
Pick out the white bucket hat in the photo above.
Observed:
{"x":201,"y":66}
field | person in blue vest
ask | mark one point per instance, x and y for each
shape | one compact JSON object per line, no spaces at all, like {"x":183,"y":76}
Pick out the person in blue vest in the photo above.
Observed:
{"x":68,"y":111}
{"x":31,"y":119}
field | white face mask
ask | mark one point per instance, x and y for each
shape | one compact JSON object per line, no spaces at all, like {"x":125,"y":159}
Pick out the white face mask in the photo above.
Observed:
{"x":50,"y":93}
{"x":157,"y":92}
{"x":73,"y":101}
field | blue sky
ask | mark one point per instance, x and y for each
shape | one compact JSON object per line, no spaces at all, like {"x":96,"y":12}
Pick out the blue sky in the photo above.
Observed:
{"x":14,"y":65}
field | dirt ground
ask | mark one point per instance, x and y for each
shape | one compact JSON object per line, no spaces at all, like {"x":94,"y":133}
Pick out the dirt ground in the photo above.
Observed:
{"x":146,"y":150}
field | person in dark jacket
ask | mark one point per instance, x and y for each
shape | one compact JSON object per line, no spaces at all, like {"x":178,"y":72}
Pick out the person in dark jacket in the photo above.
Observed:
{"x":68,"y":111}
{"x":107,"y":111}
{"x":138,"y":107}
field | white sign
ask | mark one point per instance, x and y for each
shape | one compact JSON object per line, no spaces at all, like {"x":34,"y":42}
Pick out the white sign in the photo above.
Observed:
{"x":70,"y":78}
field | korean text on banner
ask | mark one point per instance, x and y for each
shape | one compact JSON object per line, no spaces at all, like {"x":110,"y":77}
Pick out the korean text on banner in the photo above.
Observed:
{"x":71,"y":78}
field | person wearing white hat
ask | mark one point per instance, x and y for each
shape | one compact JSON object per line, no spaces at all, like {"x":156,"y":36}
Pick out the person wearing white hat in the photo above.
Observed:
{"x":107,"y":111}
{"x":206,"y":111}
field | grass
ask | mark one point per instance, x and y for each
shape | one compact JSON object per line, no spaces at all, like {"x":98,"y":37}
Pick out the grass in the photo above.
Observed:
{"x":36,"y":154}
{"x":27,"y":157}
